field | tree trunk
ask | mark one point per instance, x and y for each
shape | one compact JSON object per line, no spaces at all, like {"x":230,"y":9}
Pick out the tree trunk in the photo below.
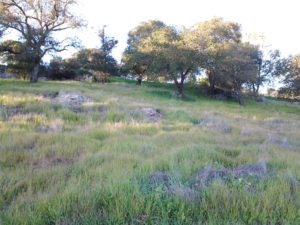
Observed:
{"x":35,"y":73}
{"x":255,"y":88}
{"x":139,"y":80}
{"x":180,"y":90}
{"x":211,"y":81}
{"x":179,"y":87}
{"x":240,"y":98}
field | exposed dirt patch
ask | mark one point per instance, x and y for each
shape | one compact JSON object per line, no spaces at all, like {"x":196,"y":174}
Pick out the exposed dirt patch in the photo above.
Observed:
{"x":213,"y":123}
{"x":153,"y":115}
{"x":55,"y":161}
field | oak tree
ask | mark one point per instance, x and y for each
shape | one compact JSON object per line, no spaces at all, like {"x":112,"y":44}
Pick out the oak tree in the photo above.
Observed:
{"x":36,"y":21}
{"x":136,"y":60}
{"x":211,"y":38}
{"x":238,"y":68}
{"x":290,"y":71}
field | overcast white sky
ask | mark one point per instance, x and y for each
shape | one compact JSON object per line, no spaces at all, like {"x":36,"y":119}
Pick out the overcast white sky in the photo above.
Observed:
{"x":278,"y":20}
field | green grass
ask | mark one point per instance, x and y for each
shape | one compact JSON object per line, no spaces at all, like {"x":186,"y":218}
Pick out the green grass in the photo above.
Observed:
{"x":93,"y":166}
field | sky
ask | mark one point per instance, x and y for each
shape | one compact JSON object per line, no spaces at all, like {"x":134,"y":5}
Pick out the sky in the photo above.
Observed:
{"x":277,"y":20}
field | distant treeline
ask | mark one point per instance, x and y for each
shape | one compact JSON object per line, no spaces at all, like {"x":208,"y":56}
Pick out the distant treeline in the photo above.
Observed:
{"x":155,"y":51}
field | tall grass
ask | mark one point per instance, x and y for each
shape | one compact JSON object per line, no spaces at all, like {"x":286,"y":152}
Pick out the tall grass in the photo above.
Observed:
{"x":59,"y":166}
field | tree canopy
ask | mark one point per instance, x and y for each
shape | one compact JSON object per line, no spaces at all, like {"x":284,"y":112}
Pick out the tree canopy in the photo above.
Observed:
{"x":155,"y":51}
{"x":211,"y":38}
{"x":36,"y":21}
{"x":96,"y":62}
{"x":290,"y":71}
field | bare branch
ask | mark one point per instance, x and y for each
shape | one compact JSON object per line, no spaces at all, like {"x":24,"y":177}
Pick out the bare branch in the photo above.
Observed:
{"x":37,"y":20}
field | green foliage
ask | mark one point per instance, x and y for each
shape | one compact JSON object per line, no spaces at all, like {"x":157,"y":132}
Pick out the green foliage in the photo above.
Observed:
{"x":115,"y":117}
{"x":160,"y":51}
{"x":238,"y":68}
{"x":210,"y":38}
{"x":59,"y":69}
{"x":97,"y":171}
{"x":290,"y":71}
{"x":18,"y":61}
{"x":98,"y":63}
{"x":69,"y":116}
{"x":35,"y":23}
{"x":100,"y":76}
{"x":135,"y":60}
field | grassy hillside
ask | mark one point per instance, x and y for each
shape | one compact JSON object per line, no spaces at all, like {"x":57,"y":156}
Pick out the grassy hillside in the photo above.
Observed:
{"x":112,"y":160}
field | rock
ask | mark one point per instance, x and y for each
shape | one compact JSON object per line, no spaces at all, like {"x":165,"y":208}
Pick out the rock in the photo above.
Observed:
{"x":159,"y":178}
{"x":209,"y":174}
{"x":72,"y":99}
{"x":281,"y":141}
{"x":258,"y":170}
{"x":152,"y":115}
{"x":205,"y":177}
{"x":215,"y":124}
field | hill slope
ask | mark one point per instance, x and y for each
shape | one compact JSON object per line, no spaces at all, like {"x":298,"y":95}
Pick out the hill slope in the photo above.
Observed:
{"x":78,"y":153}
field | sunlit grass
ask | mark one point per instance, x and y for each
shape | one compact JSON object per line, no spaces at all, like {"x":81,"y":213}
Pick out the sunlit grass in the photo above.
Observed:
{"x":61,"y":166}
